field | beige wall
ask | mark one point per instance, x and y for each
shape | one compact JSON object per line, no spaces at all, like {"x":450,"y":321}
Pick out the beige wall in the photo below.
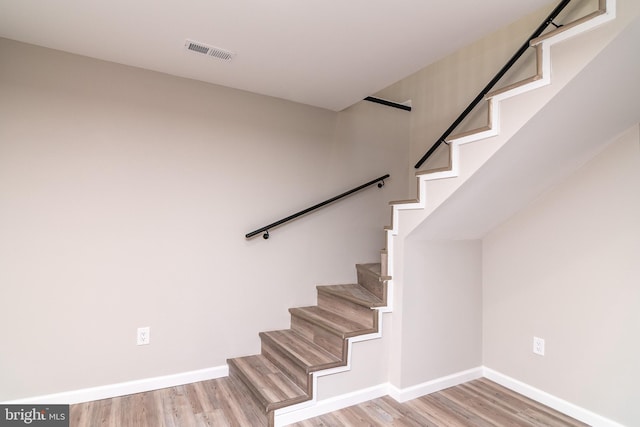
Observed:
{"x":125,"y":195}
{"x":566,"y":269}
{"x":124,"y":199}
{"x":443,"y":304}
{"x":441,"y":91}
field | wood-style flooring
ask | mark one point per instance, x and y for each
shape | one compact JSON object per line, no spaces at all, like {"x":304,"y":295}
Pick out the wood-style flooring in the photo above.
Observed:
{"x":222,"y":402}
{"x":480,"y":403}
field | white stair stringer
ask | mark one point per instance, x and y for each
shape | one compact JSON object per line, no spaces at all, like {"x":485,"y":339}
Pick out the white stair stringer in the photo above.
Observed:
{"x":606,"y":12}
{"x":413,"y":212}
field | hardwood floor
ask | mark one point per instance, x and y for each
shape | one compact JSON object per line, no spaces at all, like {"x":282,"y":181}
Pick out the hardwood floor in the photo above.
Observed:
{"x":223,"y":402}
{"x":480,"y":403}
{"x":220,"y":402}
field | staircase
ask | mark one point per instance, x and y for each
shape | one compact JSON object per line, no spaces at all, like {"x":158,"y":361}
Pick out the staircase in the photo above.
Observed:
{"x":284,"y":374}
{"x":318,"y":340}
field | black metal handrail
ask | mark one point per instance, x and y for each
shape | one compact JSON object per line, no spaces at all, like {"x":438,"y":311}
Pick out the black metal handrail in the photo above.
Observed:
{"x":388,"y":103}
{"x":266,"y":228}
{"x":548,"y":21}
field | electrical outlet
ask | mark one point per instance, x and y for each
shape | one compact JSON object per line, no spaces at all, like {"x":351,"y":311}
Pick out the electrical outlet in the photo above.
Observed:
{"x":144,"y":335}
{"x":538,"y":346}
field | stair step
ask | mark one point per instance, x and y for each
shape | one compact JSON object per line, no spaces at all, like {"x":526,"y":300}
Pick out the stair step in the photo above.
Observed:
{"x":271,"y":388}
{"x":302,"y":352}
{"x":404,"y":202}
{"x":434,"y":170}
{"x":477,"y":131}
{"x":354,"y":293}
{"x":332,"y":322}
{"x":370,"y":277}
{"x":537,"y":76}
{"x":244,"y":406}
{"x":384,"y":262}
{"x":569,"y":26}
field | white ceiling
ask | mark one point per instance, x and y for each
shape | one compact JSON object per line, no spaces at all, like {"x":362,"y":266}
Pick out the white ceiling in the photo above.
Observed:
{"x":328,"y":53}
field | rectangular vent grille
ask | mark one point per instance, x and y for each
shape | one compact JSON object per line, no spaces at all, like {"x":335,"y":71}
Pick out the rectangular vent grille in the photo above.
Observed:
{"x":205,"y":49}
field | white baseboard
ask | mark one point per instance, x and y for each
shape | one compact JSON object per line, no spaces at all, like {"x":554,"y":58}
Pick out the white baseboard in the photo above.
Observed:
{"x":549,"y":400}
{"x":322,"y":407}
{"x":123,"y":389}
{"x":402,"y":395}
{"x":332,"y":404}
{"x":413,"y":392}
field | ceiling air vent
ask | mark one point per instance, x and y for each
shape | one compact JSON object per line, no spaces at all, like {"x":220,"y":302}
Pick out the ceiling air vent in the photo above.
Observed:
{"x":205,"y":49}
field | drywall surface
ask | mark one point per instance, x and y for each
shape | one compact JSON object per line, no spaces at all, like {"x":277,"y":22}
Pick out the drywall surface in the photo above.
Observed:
{"x":442,"y":90}
{"x":442,"y":302}
{"x":566,"y":269}
{"x":125,"y":196}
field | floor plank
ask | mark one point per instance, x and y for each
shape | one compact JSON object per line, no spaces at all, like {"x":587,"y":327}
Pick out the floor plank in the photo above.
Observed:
{"x":476,"y":403}
{"x":225,"y":403}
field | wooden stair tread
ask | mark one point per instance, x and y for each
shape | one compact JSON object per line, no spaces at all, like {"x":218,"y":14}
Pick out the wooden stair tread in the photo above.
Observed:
{"x":332,"y":322}
{"x":512,"y":86}
{"x":302,"y":351}
{"x":568,"y":26}
{"x":433,"y":170}
{"x":469,"y":132}
{"x":403,"y":202}
{"x":269,"y":385}
{"x":354,"y":293}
